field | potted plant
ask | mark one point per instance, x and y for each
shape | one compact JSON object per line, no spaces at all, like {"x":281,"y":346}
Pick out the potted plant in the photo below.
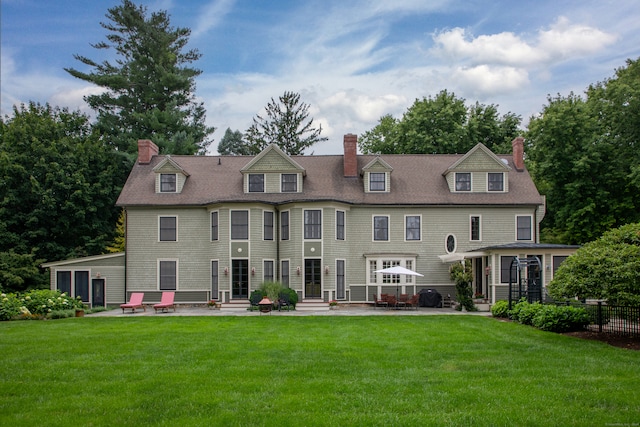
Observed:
{"x":333,"y":304}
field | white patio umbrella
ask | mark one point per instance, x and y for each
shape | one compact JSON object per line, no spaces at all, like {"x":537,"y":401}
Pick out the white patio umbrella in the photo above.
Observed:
{"x":399,"y":270}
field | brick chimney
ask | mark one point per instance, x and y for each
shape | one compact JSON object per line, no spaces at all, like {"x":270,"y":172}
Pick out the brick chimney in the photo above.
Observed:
{"x":146,"y":150}
{"x":518,"y":153}
{"x":350,"y":155}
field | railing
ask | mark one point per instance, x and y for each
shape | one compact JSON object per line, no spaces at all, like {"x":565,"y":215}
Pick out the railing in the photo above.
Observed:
{"x":618,"y":320}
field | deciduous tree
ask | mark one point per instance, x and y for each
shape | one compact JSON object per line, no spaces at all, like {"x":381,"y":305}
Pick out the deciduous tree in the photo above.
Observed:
{"x":442,"y":125}
{"x":58,"y":184}
{"x":607,"y":268}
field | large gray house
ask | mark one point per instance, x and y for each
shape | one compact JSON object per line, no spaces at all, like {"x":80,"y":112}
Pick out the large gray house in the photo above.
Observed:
{"x":216,"y":227}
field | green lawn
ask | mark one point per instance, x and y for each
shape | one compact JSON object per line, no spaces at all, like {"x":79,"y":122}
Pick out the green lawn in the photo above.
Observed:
{"x":310,"y":371}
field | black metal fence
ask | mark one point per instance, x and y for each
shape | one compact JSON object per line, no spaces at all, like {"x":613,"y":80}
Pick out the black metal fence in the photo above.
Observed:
{"x":619,"y":320}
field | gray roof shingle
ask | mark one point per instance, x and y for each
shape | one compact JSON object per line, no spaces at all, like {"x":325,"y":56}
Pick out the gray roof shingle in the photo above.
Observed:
{"x":417,"y":179}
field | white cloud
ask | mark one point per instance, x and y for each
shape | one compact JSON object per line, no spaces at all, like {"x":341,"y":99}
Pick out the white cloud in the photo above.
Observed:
{"x":211,"y":15}
{"x":484,"y":80}
{"x":562,"y":41}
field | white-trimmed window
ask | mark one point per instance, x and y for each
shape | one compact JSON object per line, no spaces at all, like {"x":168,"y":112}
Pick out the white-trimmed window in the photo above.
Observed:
{"x":475,"y":228}
{"x":524,"y":227}
{"x":256,"y":183}
{"x":450,"y":243}
{"x":167,"y":274}
{"x":214,"y":279}
{"x":340,"y":225}
{"x":377,"y":181}
{"x":289,"y":182}
{"x":380,"y":228}
{"x":268,"y":271}
{"x":74,"y":283}
{"x":388,"y":262}
{"x":239,"y":225}
{"x":284,"y":225}
{"x":313,"y":224}
{"x":463,"y":181}
{"x":495,"y":181}
{"x":267,"y":225}
{"x":284,"y":273}
{"x":340,"y":279}
{"x":214,"y":226}
{"x":412,"y":227}
{"x":168,"y":228}
{"x":168,"y":183}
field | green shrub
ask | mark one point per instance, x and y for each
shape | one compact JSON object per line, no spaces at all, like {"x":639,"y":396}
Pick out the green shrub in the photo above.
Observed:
{"x":500,"y":309}
{"x":61,"y":314}
{"x":35,"y":304}
{"x":523,"y":312}
{"x":561,"y":318}
{"x":293,"y":296}
{"x":271,"y":290}
{"x":10,"y":306}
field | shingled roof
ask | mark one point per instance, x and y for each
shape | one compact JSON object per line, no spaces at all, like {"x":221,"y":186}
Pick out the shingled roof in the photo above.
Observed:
{"x":417,"y":179}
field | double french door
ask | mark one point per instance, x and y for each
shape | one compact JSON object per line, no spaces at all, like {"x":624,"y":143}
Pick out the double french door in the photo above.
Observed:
{"x":312,"y":278}
{"x":240,"y":279}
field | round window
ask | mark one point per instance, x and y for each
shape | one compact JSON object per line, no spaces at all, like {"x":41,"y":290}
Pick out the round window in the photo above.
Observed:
{"x":451,"y":243}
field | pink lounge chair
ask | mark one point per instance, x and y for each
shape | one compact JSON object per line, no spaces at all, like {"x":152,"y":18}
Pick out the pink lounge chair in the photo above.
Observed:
{"x":135,"y":301}
{"x":166,"y":302}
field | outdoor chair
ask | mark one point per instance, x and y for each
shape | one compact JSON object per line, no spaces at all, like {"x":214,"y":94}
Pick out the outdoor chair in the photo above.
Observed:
{"x":414,"y":301}
{"x":254,"y":301}
{"x":378,"y":302}
{"x":284,"y":301}
{"x":135,"y":301}
{"x":392,"y":301}
{"x":166,"y":302}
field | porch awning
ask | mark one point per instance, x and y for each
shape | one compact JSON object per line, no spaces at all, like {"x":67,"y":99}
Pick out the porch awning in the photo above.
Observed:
{"x":459,"y":256}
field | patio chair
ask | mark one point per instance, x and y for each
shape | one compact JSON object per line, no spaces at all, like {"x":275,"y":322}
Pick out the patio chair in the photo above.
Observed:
{"x":135,"y":301}
{"x":166,"y":302}
{"x":414,"y":301}
{"x":378,"y":302}
{"x":254,"y":301}
{"x":284,"y":301}
{"x":392,"y":301}
{"x":403,"y":300}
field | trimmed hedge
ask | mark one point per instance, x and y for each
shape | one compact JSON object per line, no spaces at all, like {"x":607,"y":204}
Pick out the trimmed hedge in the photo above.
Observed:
{"x":547,"y":317}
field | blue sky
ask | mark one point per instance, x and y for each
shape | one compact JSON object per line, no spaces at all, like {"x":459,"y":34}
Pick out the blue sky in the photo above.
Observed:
{"x":351,"y":61}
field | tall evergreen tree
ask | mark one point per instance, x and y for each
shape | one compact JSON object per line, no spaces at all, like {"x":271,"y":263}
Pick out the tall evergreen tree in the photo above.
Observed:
{"x":148,"y":90}
{"x":285,"y":125}
{"x":232,"y":143}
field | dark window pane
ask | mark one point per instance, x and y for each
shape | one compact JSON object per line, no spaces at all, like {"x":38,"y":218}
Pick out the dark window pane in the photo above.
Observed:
{"x":239,"y":225}
{"x":289,"y":183}
{"x":168,"y":182}
{"x":377,"y":181}
{"x":168,"y":232}
{"x":256,"y":183}
{"x":380,"y":228}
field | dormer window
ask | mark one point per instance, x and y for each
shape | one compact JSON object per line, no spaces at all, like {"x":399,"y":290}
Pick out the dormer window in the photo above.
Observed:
{"x":168,"y":183}
{"x":256,"y":183}
{"x":289,"y":183}
{"x":463,"y":181}
{"x":495,"y":181}
{"x":377,"y":181}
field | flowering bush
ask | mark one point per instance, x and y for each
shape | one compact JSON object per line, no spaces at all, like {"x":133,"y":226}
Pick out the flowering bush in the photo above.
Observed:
{"x":37,"y":302}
